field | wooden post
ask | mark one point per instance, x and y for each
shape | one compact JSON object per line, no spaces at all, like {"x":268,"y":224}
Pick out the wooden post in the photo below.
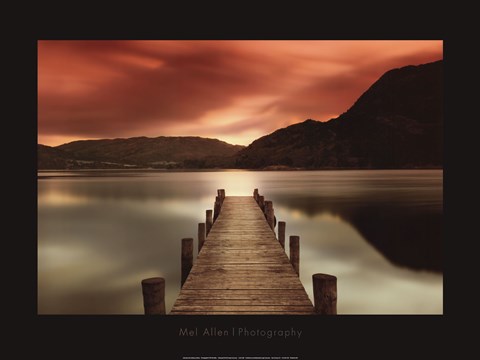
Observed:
{"x":187,"y":257}
{"x":216,"y":208}
{"x":295,"y":253}
{"x":325,"y":294}
{"x":221,"y":195}
{"x":281,"y":233}
{"x":269,"y":214}
{"x":153,"y":290}
{"x":255,"y":194}
{"x":261,"y":202}
{"x":209,"y":220}
{"x":201,"y":235}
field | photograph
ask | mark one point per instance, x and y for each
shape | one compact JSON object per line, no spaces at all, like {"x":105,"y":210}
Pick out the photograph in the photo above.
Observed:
{"x":240,"y":177}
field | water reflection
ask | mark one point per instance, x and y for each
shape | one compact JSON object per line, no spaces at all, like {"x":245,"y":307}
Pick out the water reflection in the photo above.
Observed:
{"x":367,"y":282}
{"x":100,"y":233}
{"x":408,"y":232}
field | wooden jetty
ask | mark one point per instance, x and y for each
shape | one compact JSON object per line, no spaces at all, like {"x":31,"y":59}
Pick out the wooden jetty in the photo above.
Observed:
{"x":241,"y":268}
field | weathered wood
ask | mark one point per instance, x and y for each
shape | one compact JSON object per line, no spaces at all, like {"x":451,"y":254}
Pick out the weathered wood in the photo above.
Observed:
{"x":258,"y":300}
{"x":286,"y":279}
{"x":281,"y":233}
{"x":221,"y":195}
{"x":269,"y":214}
{"x":242,"y":293}
{"x":242,"y":268}
{"x":295,"y":253}
{"x":248,"y":312}
{"x":209,"y":221}
{"x":201,"y":235}
{"x":153,"y":290}
{"x":255,"y":194}
{"x":325,"y":294}
{"x":187,"y":258}
{"x":254,"y":307}
{"x":236,"y":284}
{"x":261,"y":202}
{"x":216,"y":208}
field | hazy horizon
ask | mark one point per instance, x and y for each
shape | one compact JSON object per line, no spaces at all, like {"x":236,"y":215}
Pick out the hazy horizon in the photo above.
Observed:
{"x":180,"y":136}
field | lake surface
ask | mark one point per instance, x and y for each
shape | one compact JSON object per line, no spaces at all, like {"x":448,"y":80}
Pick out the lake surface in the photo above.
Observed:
{"x":101,"y":232}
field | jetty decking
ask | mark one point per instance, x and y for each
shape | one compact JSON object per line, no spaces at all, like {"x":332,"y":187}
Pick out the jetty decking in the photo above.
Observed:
{"x":242,"y":268}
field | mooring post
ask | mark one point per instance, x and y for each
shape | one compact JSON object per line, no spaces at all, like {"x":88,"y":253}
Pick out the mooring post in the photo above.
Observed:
{"x":261,"y":202}
{"x":325,"y":294}
{"x":216,"y":207}
{"x":295,"y":253}
{"x":201,"y":235}
{"x":255,"y":194}
{"x":221,"y":195}
{"x":269,"y":214}
{"x":281,"y":233}
{"x":153,"y":290}
{"x":209,"y":220}
{"x":187,"y":257}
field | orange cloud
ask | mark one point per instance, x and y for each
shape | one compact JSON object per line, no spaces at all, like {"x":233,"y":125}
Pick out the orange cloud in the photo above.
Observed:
{"x":231,"y":90}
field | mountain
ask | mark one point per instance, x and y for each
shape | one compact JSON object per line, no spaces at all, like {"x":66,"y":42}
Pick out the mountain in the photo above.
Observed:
{"x":159,"y":152}
{"x":52,"y":158}
{"x":396,"y":123}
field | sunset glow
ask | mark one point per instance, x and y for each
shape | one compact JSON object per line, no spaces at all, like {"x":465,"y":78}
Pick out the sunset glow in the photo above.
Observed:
{"x":235,"y":91}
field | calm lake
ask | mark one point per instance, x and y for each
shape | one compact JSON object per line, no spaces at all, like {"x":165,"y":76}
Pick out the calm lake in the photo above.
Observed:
{"x":101,"y":232}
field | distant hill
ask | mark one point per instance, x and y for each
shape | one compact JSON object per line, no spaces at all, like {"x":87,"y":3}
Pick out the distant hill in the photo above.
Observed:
{"x":52,"y":158}
{"x":160,"y":152}
{"x":396,"y":123}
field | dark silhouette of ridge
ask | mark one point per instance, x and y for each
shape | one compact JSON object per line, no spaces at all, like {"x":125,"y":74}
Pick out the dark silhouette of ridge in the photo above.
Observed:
{"x":139,"y":152}
{"x":396,"y":123}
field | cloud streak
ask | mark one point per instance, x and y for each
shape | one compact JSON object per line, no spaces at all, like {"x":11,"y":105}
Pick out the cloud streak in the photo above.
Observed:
{"x":232,"y":90}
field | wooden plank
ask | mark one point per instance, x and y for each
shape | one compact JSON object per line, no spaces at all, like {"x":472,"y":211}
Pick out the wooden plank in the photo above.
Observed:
{"x":266,"y":292}
{"x":250,"y":277}
{"x":242,"y":269}
{"x":258,"y":298}
{"x":243,"y":307}
{"x":237,"y":285}
{"x":273,"y":277}
{"x":261,"y":273}
{"x":235,"y":302}
{"x":242,"y":252}
{"x":250,"y":312}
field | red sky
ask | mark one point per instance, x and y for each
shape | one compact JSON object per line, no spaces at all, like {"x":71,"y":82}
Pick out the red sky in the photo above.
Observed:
{"x":235,"y":91}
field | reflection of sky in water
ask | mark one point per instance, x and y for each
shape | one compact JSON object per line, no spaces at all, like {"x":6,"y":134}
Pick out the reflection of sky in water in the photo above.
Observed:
{"x":100,"y":235}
